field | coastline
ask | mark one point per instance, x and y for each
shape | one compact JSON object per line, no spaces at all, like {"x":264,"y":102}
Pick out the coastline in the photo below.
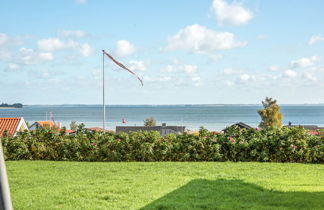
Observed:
{"x":214,"y":118}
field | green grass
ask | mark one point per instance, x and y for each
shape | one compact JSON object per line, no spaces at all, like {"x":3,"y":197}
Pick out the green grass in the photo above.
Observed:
{"x":165,"y":185}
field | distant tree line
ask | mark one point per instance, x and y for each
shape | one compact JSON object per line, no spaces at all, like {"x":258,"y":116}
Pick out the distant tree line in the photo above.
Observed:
{"x":16,"y":105}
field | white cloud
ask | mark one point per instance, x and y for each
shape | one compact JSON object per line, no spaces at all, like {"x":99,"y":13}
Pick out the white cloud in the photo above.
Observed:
{"x":85,"y":49}
{"x":51,"y":44}
{"x":137,"y":65}
{"x":29,"y":56}
{"x":261,"y":37}
{"x":15,"y":58}
{"x":315,"y":38}
{"x":124,"y":48}
{"x":161,"y":78}
{"x":165,"y":78}
{"x":199,"y":39}
{"x":81,"y":1}
{"x":96,"y":74}
{"x":45,"y":74}
{"x":214,"y":57}
{"x":229,"y":83}
{"x":195,"y":78}
{"x":6,"y":45}
{"x":46,"y":56}
{"x":168,"y":68}
{"x":234,"y":13}
{"x":75,"y":34}
{"x":246,"y":77}
{"x":55,"y":44}
{"x":310,"y":76}
{"x":230,"y":71}
{"x":289,"y":73}
{"x":13,"y":66}
{"x":4,"y":38}
{"x":304,"y":62}
{"x":190,"y":69}
{"x":8,"y":41}
{"x":179,"y":74}
{"x":5,"y":54}
{"x":274,"y":68}
{"x":54,"y":81}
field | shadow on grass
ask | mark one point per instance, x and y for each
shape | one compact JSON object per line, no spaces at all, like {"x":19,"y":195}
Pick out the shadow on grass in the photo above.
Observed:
{"x":235,"y":194}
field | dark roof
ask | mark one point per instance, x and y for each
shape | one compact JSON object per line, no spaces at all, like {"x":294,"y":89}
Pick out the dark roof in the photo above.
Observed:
{"x":98,"y":129}
{"x":308,"y":127}
{"x":240,"y":125}
{"x":243,"y":125}
{"x":162,"y":129}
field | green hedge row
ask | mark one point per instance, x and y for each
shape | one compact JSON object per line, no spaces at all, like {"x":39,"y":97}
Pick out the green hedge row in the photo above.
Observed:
{"x":267,"y":145}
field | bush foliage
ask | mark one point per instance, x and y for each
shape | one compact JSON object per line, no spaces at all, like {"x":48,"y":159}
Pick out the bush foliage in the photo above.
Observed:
{"x":266,"y":145}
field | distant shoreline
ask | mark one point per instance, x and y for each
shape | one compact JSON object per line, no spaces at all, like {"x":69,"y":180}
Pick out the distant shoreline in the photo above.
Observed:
{"x":9,"y":108}
{"x":150,"y":105}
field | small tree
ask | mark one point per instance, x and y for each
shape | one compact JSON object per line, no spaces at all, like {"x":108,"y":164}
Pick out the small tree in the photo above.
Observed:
{"x":73,"y":125}
{"x":150,"y":121}
{"x":270,"y":114}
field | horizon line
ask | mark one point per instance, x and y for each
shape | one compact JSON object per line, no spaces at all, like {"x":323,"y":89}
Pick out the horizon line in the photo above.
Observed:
{"x":168,"y":104}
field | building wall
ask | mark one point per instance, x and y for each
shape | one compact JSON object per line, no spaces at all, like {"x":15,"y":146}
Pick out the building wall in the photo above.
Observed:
{"x":163,"y":130}
{"x":23,"y":126}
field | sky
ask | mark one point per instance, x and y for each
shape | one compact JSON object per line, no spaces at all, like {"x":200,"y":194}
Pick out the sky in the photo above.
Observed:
{"x":186,"y":51}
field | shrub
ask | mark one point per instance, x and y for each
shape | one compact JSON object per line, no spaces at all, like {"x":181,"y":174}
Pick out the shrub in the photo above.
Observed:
{"x":266,"y":145}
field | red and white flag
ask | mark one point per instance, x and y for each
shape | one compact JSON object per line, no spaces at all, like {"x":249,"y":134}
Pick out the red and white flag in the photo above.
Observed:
{"x":122,"y":66}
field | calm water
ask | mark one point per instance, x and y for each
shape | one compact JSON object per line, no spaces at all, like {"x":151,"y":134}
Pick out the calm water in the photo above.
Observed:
{"x":213,"y":117}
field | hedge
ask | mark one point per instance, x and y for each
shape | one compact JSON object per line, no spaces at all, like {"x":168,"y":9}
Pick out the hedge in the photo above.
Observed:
{"x":266,"y":145}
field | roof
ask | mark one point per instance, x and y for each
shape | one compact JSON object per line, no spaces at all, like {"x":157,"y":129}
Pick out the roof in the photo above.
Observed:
{"x":97,"y":129}
{"x":242,"y":125}
{"x":50,"y":124}
{"x":69,"y":131}
{"x":9,"y":124}
{"x":239,"y":125}
{"x":163,"y":130}
{"x":151,"y":127}
{"x":313,"y":132}
{"x":308,"y":127}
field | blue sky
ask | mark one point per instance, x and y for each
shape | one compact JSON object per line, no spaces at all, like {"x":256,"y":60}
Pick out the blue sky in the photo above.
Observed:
{"x":186,"y":52}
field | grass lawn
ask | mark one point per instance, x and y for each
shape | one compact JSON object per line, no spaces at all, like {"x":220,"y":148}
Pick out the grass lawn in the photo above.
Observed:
{"x":165,"y":185}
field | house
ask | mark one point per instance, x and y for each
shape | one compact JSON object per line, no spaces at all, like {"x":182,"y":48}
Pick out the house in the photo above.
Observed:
{"x":12,"y":125}
{"x":312,"y":129}
{"x":91,"y":130}
{"x":69,"y":131}
{"x":95,"y":129}
{"x":239,"y":125}
{"x":43,"y":124}
{"x":163,"y":130}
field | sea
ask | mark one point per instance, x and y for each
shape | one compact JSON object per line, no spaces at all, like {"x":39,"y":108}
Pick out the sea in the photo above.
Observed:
{"x":213,"y":117}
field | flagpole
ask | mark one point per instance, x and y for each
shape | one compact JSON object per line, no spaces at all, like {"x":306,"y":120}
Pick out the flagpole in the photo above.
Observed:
{"x":103,"y":91}
{"x":5,"y":200}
